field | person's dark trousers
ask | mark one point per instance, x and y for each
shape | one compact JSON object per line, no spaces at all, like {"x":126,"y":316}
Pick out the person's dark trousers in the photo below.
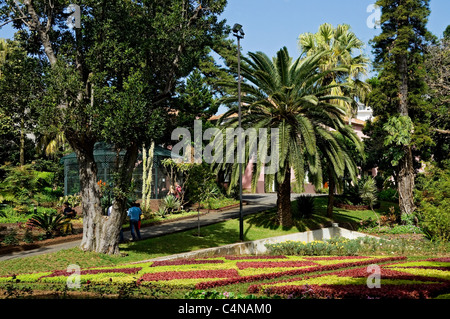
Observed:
{"x":121,"y":239}
{"x":134,"y":227}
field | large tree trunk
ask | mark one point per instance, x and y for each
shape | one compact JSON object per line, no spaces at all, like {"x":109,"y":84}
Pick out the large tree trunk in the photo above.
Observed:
{"x":111,"y":226}
{"x":406,"y":183}
{"x":284,"y":201}
{"x":90,"y":193}
{"x":406,"y":170}
{"x":101,"y":233}
{"x":331,"y":188}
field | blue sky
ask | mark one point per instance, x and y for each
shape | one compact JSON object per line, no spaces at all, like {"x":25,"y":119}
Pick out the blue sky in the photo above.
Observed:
{"x":271,"y":24}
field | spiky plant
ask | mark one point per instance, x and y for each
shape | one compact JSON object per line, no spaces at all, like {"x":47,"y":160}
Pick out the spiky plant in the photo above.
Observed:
{"x":49,"y":222}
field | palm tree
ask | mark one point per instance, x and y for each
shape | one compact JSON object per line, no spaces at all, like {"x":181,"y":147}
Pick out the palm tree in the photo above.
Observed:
{"x":337,"y":156}
{"x":287,"y":95}
{"x":342,"y":44}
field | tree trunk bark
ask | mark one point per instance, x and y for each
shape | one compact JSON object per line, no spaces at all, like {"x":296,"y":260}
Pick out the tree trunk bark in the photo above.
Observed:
{"x":90,"y":193}
{"x":406,"y":183}
{"x":406,"y":170}
{"x":284,"y":200}
{"x":111,"y":225}
{"x":331,"y":188}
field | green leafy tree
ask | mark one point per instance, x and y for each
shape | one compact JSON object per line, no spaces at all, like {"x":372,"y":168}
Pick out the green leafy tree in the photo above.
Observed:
{"x":286,"y":94}
{"x":346,"y":53}
{"x":447,"y":32}
{"x":399,"y":59}
{"x":20,"y":86}
{"x":111,"y":80}
{"x":437,"y":64}
{"x":196,"y":101}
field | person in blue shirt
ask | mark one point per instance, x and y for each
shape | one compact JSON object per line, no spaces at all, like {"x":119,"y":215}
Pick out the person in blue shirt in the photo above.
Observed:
{"x":135,"y":213}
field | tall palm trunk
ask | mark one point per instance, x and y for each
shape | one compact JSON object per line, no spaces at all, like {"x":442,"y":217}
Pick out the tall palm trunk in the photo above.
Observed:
{"x":331,"y":188}
{"x":284,"y":201}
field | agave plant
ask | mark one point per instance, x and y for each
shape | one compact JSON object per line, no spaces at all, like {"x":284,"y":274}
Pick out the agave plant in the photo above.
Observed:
{"x":171,"y":204}
{"x":49,"y":222}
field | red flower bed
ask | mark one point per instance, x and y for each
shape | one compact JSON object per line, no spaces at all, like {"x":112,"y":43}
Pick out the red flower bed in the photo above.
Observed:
{"x":336,"y":257}
{"x":170,"y":275}
{"x":254,"y":257}
{"x":273,"y":264}
{"x":224,"y":282}
{"x":180,"y":262}
{"x":426,"y":267}
{"x":95,"y":271}
{"x":412,"y":291}
{"x":441,"y":259}
{"x":355,"y":273}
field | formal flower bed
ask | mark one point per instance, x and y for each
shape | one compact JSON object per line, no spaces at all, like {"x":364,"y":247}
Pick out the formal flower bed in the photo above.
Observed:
{"x":397,"y":281}
{"x":349,"y":277}
{"x":204,"y":273}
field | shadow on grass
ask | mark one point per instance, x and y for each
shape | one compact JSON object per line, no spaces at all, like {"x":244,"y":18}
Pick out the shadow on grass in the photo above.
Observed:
{"x":269,"y":220}
{"x":346,"y":218}
{"x":210,"y":236}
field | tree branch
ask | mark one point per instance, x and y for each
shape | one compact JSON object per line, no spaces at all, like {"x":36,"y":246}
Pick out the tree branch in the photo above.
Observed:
{"x":14,"y":19}
{"x":175,"y":64}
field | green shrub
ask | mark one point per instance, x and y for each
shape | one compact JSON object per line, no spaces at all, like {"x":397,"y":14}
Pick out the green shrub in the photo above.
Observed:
{"x":10,"y":215}
{"x":333,"y":247}
{"x":28,"y":236}
{"x":388,"y":195}
{"x":73,"y":200}
{"x":11,"y":238}
{"x":432,"y":194}
{"x":22,"y":183}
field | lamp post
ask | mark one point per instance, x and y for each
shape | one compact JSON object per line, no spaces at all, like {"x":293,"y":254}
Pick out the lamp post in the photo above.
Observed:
{"x":238,"y":32}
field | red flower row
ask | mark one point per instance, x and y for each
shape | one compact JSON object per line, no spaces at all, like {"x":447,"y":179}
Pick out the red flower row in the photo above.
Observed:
{"x":426,"y":267}
{"x":441,"y":259}
{"x":355,"y":273}
{"x":179,"y":262}
{"x":273,"y":264}
{"x":255,"y":257}
{"x":336,"y":257}
{"x":224,"y":282}
{"x":171,"y":275}
{"x":95,"y":271}
{"x":413,"y":291}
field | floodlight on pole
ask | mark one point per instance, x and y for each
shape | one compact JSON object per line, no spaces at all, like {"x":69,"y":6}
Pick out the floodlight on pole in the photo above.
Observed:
{"x":238,"y":32}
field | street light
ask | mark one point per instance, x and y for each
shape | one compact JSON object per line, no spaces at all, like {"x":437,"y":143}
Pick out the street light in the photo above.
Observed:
{"x":238,"y":32}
